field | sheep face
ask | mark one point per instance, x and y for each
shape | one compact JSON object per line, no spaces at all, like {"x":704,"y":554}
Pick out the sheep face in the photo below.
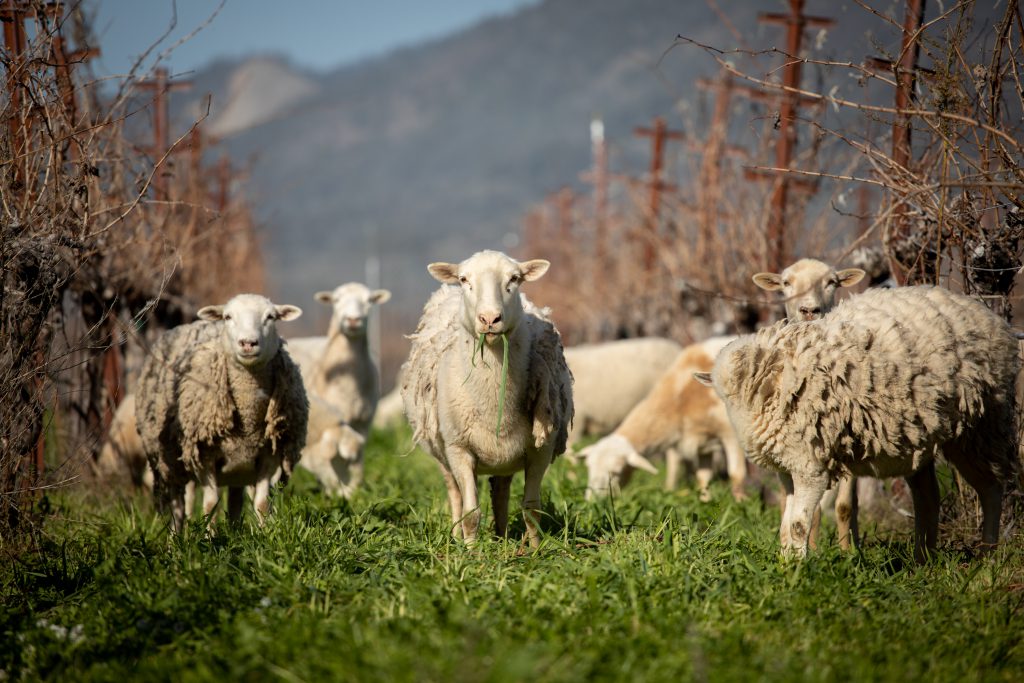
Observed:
{"x":351,"y":304}
{"x":490,"y":283}
{"x":249,"y":329}
{"x":610,"y":461}
{"x":809,"y":287}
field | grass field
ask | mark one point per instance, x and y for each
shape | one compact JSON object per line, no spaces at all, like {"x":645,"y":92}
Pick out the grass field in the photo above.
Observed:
{"x":652,"y":586}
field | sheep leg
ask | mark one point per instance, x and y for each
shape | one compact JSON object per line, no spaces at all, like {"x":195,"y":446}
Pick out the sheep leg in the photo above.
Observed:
{"x":500,"y":489}
{"x":846,"y":512}
{"x":236,"y":496}
{"x":807,"y":492}
{"x":537,"y":461}
{"x":463,"y":468}
{"x":990,"y":493}
{"x":177,"y":510}
{"x":261,"y":500}
{"x":211,"y":496}
{"x":454,"y":500}
{"x":924,"y":488}
{"x":705,"y":473}
{"x":190,"y":499}
{"x":673,"y":463}
{"x":786,"y":504}
{"x":736,"y":465}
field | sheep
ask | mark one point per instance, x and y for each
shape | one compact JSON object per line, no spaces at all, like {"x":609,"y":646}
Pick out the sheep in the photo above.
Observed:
{"x":453,"y":387}
{"x":879,"y":386}
{"x":338,"y":368}
{"x":220,"y":402}
{"x":390,"y":409}
{"x":121,"y":456}
{"x":612,"y":377}
{"x":809,"y":287}
{"x":680,"y":410}
{"x":333,"y":451}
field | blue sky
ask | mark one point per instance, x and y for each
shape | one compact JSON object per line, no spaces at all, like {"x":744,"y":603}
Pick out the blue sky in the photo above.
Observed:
{"x":316,"y":35}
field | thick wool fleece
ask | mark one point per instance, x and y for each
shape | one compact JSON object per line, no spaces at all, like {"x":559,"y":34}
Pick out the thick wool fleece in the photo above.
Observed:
{"x":193,"y":400}
{"x":539,"y":387}
{"x":877,"y":387}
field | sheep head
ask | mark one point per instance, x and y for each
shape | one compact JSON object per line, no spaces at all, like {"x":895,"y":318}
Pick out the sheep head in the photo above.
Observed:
{"x":351,"y":304}
{"x":490,"y":283}
{"x":809,"y":287}
{"x":249,"y":327}
{"x":610,"y":461}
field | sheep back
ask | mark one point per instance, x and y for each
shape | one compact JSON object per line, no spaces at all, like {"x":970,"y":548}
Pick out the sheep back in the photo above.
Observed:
{"x":878,"y":386}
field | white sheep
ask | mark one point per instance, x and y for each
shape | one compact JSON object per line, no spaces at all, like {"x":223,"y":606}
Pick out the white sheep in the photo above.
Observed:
{"x":678,"y":410}
{"x":338,"y":367}
{"x":880,"y":386}
{"x":809,"y":288}
{"x":333,"y":450}
{"x":461,"y":409}
{"x":219,"y":402}
{"x":610,"y":378}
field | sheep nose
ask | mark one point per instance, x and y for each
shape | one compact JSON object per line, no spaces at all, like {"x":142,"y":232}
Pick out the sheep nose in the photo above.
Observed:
{"x":808,"y":312}
{"x":248,"y":344}
{"x":489,"y":318}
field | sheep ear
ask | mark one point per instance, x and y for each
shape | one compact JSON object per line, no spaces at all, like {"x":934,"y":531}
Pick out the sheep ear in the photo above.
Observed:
{"x":211,"y":313}
{"x":770,"y":281}
{"x":534,"y":269}
{"x":287,"y":312}
{"x":448,"y":273}
{"x":850,"y":277}
{"x":703,"y":377}
{"x":379,"y":296}
{"x":324,"y":297}
{"x":634,"y":459}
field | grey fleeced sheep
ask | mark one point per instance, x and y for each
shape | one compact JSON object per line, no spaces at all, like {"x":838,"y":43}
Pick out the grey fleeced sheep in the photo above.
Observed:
{"x":879,"y":387}
{"x":451,"y":387}
{"x":220,"y":403}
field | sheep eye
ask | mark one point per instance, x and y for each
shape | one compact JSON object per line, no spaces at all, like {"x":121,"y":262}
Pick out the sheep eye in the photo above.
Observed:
{"x":785,"y":283}
{"x":462,"y":279}
{"x":227,"y":316}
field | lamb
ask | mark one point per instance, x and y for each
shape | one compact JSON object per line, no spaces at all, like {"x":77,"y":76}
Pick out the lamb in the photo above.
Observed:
{"x":879,"y":386}
{"x":610,"y":378}
{"x":220,"y":403}
{"x":338,"y":368}
{"x":809,"y":287}
{"x":333,"y":450}
{"x":680,"y":410}
{"x":464,"y":411}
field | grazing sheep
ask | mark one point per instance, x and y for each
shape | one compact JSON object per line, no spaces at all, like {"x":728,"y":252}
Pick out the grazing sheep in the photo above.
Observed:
{"x":879,"y":386}
{"x":338,"y":368}
{"x":453,"y":385}
{"x":121,"y":458}
{"x":612,"y":377}
{"x":333,"y":451}
{"x":678,"y":410}
{"x":809,"y":287}
{"x":221,"y":403}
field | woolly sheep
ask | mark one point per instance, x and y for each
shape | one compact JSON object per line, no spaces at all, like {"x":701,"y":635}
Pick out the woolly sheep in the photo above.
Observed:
{"x":879,"y":386}
{"x":338,"y":367}
{"x":332,"y":451}
{"x":451,"y":387}
{"x":680,"y":410}
{"x":612,"y":377}
{"x":809,"y":288}
{"x":220,"y":402}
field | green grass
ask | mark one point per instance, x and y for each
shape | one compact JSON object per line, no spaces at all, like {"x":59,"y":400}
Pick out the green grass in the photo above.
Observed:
{"x":652,"y":586}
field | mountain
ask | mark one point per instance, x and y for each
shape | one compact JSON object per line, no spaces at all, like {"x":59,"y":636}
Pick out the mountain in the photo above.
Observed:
{"x":435,"y":151}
